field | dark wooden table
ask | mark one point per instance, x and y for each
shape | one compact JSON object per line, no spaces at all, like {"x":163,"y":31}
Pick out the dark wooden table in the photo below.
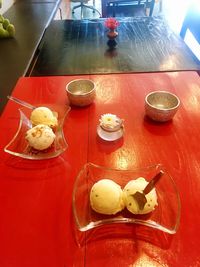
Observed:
{"x":145,"y":44}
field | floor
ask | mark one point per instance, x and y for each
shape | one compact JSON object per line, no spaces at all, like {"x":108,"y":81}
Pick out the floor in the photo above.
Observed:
{"x":66,"y":10}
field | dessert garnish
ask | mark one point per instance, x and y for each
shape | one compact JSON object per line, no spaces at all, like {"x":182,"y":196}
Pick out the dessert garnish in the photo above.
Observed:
{"x":110,"y":122}
{"x":140,"y":196}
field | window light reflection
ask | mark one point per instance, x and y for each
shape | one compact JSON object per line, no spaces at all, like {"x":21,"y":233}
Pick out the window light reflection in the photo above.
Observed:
{"x":145,"y":261}
{"x":125,"y":159}
{"x":169,"y":63}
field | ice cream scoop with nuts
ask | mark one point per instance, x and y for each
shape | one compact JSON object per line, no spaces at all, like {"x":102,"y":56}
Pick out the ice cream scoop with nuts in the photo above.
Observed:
{"x":43,"y":115}
{"x":40,"y":137}
{"x":132,"y":204}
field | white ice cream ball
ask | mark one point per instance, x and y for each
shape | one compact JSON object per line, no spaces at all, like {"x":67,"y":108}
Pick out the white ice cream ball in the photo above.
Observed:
{"x":131,"y":203}
{"x":40,"y":137}
{"x":43,"y":115}
{"x":106,"y":197}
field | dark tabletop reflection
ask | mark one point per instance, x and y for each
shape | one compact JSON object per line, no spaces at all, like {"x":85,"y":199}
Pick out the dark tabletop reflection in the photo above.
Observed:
{"x":144,"y":44}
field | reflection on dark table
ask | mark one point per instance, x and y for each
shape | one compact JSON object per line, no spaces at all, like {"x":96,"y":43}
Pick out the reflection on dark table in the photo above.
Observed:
{"x":145,"y":44}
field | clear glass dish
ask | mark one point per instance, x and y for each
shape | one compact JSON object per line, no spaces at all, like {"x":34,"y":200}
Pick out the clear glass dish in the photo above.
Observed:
{"x":165,"y":217}
{"x":19,"y":147}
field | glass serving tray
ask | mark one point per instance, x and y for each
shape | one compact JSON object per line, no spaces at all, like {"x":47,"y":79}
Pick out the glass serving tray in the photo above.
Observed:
{"x":165,"y":217}
{"x":19,"y":147}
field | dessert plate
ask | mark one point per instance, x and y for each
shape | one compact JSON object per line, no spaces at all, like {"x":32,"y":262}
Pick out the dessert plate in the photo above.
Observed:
{"x":165,"y":217}
{"x":19,"y":147}
{"x":109,"y":136}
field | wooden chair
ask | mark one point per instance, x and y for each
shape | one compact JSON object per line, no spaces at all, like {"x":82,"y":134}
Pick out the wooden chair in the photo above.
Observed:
{"x":138,"y":6}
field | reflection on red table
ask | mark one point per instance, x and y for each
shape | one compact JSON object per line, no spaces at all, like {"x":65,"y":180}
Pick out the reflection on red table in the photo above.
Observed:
{"x":37,"y":227}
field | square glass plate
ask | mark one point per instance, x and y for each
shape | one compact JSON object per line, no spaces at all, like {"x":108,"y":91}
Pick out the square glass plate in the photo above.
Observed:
{"x":19,"y":147}
{"x":165,"y":217}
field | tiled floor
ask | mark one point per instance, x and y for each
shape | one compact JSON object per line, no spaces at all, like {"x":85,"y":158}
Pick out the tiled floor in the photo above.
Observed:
{"x":66,"y":10}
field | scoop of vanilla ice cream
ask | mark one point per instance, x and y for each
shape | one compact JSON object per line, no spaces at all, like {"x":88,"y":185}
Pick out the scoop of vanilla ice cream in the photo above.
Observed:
{"x":106,"y":197}
{"x":43,"y":115}
{"x":131,"y":203}
{"x":40,"y":137}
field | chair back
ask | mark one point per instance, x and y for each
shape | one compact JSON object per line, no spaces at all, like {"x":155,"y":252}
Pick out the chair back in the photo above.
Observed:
{"x":129,"y":7}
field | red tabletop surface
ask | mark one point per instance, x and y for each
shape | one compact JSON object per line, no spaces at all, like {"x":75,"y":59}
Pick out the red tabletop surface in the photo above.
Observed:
{"x":36,"y":225}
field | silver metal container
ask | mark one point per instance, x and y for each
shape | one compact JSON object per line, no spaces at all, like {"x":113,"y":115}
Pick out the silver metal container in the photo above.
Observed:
{"x":161,"y":105}
{"x":81,"y":92}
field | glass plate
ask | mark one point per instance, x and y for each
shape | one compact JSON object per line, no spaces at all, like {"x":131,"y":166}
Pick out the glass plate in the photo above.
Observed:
{"x":19,"y":147}
{"x":165,"y":217}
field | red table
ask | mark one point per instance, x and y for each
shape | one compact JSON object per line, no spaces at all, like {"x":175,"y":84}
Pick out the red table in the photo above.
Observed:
{"x":36,"y":226}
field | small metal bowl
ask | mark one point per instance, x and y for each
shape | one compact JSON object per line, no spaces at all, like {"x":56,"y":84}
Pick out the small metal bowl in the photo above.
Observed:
{"x":161,"y":105}
{"x":81,"y":92}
